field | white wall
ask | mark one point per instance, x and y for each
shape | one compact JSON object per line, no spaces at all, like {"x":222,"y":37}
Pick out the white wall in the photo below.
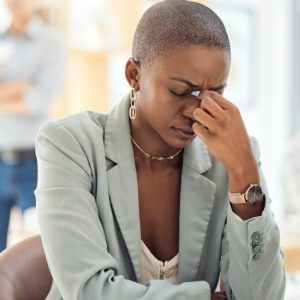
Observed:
{"x":269,"y":120}
{"x":4,"y":16}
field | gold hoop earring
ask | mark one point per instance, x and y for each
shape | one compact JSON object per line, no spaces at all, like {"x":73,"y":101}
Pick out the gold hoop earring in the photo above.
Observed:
{"x":132,"y":109}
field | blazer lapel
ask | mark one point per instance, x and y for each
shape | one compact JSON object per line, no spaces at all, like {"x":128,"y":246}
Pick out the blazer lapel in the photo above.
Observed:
{"x":196,"y":199}
{"x":123,"y":192}
{"x":122,"y":180}
{"x":196,"y":202}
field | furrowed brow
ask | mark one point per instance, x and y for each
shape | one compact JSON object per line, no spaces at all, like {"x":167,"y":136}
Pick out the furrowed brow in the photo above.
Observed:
{"x":185,"y":81}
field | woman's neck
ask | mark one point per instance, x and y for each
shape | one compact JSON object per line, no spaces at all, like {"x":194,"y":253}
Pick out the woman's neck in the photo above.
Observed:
{"x":143,"y":162}
{"x":146,"y":141}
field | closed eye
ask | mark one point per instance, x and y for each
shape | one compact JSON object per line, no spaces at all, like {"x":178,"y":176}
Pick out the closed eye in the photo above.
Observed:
{"x":179,"y":94}
{"x":219,"y":90}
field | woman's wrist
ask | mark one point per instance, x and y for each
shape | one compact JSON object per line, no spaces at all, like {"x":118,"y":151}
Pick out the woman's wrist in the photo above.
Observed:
{"x":242,"y":176}
{"x":247,"y":211}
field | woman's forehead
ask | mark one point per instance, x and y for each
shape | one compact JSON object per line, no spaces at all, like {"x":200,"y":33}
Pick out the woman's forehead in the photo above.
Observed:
{"x":192,"y":62}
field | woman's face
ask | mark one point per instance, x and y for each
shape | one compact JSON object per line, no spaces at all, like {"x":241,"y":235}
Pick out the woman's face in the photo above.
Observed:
{"x":21,"y":7}
{"x":166,"y":100}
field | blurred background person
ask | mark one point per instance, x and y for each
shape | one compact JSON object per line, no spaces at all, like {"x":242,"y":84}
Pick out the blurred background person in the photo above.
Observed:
{"x":32,"y":70}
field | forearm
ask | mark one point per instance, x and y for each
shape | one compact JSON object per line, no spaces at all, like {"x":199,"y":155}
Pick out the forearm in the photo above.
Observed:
{"x":240,"y":178}
{"x":255,"y":268}
{"x":17,"y":107}
{"x":243,"y":173}
{"x":247,"y":211}
{"x":12,"y":98}
{"x":13,"y":92}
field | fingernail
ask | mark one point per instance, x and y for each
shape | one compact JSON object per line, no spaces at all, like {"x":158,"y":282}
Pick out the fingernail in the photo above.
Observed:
{"x":196,"y":93}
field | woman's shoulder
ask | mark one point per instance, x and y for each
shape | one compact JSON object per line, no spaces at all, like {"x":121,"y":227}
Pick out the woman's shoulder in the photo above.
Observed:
{"x":255,"y":147}
{"x":86,"y":120}
{"x":83,"y":127}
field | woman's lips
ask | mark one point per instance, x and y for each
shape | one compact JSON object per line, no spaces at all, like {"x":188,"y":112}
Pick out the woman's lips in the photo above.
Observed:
{"x":185,"y":132}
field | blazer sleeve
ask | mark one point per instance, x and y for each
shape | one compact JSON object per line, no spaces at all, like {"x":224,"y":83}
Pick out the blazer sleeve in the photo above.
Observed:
{"x":73,"y":237}
{"x":252,"y":261}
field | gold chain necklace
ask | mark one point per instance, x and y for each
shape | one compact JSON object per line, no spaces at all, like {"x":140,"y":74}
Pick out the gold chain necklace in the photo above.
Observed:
{"x":153,"y":156}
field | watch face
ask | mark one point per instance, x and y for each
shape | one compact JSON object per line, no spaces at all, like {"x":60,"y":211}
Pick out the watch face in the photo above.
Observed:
{"x":254,"y":194}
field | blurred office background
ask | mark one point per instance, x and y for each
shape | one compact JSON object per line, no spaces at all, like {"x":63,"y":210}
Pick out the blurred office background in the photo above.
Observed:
{"x":264,"y":82}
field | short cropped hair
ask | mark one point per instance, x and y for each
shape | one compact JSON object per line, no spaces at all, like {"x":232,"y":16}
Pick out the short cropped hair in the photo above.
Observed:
{"x":172,"y":23}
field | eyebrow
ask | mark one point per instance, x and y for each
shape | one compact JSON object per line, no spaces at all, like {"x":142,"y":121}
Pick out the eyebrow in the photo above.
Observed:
{"x":193,"y":85}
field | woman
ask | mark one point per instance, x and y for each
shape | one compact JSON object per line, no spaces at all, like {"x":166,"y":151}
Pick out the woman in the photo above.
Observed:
{"x":31,"y":78}
{"x":137,"y":207}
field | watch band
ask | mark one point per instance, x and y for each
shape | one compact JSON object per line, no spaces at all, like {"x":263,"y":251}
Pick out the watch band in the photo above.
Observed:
{"x":237,"y":198}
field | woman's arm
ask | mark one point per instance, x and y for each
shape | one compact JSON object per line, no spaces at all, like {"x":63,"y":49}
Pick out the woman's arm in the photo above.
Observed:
{"x":252,"y":260}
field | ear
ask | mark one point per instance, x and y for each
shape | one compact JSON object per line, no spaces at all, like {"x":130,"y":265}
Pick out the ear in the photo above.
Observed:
{"x":132,"y":73}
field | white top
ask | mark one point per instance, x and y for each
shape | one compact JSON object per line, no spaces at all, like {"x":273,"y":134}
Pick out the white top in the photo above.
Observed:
{"x":152,"y":268}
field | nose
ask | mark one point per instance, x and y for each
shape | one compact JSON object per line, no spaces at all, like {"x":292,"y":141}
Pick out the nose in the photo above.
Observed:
{"x":191,"y":105}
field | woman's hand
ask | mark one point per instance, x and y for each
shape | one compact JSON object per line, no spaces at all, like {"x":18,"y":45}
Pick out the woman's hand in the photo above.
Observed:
{"x":220,"y":126}
{"x":218,"y":296}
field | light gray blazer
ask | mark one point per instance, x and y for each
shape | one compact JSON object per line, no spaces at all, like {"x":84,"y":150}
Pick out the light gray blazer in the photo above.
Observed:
{"x":88,"y":209}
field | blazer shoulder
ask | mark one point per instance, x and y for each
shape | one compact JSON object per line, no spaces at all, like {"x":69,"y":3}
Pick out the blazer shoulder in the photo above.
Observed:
{"x":84,"y":123}
{"x":86,"y":128}
{"x":255,"y":147}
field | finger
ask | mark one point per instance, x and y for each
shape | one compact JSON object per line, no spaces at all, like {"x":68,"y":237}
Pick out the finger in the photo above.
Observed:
{"x":212,"y":107}
{"x":219,"y":99}
{"x":199,"y":98}
{"x":201,"y":131}
{"x":204,"y":118}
